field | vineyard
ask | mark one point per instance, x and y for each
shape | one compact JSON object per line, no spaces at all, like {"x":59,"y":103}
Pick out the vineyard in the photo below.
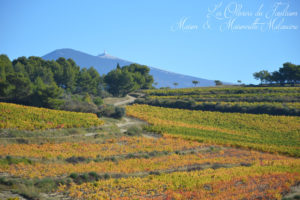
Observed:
{"x":151,"y":168}
{"x":233,"y":183}
{"x":277,"y":134}
{"x":179,"y":154}
{"x":224,"y":90}
{"x":269,"y":100}
{"x":13,"y":116}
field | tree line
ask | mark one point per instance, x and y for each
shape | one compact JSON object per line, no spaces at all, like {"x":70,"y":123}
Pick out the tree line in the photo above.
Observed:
{"x":38,"y":82}
{"x":288,"y":74}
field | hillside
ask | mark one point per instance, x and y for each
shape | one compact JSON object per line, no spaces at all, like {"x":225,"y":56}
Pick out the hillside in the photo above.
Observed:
{"x":154,"y":152}
{"x":14,"y":116}
{"x":105,"y":63}
{"x":255,"y":100}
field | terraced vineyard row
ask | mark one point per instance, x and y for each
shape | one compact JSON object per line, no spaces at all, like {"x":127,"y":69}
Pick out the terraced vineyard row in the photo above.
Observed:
{"x":277,"y":134}
{"x":257,"y":182}
{"x":223,"y":90}
{"x":203,"y":158}
{"x":255,"y":100}
{"x":274,"y":108}
{"x":13,"y":116}
{"x":185,"y":169}
{"x":112,"y":147}
{"x":244,"y":97}
{"x":295,"y":105}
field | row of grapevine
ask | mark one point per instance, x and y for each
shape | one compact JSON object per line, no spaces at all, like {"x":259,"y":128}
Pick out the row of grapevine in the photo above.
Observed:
{"x":13,"y":116}
{"x":256,"y":182}
{"x":222,"y":90}
{"x":227,"y":156}
{"x":118,"y":146}
{"x":277,"y":134}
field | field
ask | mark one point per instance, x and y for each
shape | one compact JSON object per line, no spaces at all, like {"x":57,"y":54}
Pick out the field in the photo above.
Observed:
{"x":20,"y":117}
{"x":154,"y":152}
{"x":277,"y":134}
{"x":258,"y":91}
{"x":149,"y":168}
{"x":256,"y":100}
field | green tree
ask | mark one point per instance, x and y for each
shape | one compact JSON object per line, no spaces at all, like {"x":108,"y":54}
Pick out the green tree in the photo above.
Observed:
{"x":277,"y":77}
{"x":218,"y":82}
{"x":70,"y":72}
{"x":123,"y":80}
{"x":83,"y":82}
{"x":5,"y":69}
{"x":47,"y":75}
{"x":46,"y":95}
{"x":96,"y":81}
{"x":23,"y":60}
{"x":290,"y":72}
{"x":21,"y":86}
{"x":264,"y":76}
{"x":175,"y":84}
{"x":140,"y":74}
{"x":119,"y":82}
{"x":195,"y":83}
{"x":58,"y":72}
{"x":37,"y":82}
{"x":20,"y":68}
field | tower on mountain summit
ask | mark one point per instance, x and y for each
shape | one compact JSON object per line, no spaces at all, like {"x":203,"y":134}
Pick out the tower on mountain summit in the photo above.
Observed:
{"x":103,"y":54}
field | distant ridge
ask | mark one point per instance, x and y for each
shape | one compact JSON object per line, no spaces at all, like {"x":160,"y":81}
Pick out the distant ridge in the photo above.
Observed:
{"x":104,"y":63}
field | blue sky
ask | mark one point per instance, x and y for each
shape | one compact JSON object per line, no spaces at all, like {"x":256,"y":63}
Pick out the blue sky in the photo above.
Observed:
{"x":171,"y":35}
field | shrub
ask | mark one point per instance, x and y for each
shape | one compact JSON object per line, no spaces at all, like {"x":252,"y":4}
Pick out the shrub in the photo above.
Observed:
{"x":45,"y":184}
{"x":79,"y":106}
{"x":85,"y":177}
{"x":22,"y":141}
{"x":28,"y":191}
{"x":93,"y":174}
{"x":119,"y":112}
{"x":111,"y":111}
{"x":130,"y":156}
{"x":74,"y":175}
{"x":134,"y":131}
{"x":75,"y":160}
{"x":106,"y":176}
{"x":8,"y":160}
{"x":4,"y":181}
{"x":112,"y":158}
{"x":87,"y":98}
{"x":98,"y":101}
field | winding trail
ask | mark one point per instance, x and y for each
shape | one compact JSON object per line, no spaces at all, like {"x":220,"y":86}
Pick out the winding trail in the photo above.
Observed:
{"x":130,"y":99}
{"x":122,"y":125}
{"x":129,"y":121}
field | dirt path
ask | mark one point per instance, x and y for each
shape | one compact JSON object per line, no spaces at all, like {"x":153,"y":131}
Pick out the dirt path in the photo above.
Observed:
{"x":130,"y":99}
{"x":127,"y":122}
{"x":122,"y":125}
{"x":120,"y":101}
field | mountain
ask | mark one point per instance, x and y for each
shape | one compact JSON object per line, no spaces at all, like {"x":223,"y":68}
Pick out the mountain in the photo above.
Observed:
{"x":104,"y":63}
